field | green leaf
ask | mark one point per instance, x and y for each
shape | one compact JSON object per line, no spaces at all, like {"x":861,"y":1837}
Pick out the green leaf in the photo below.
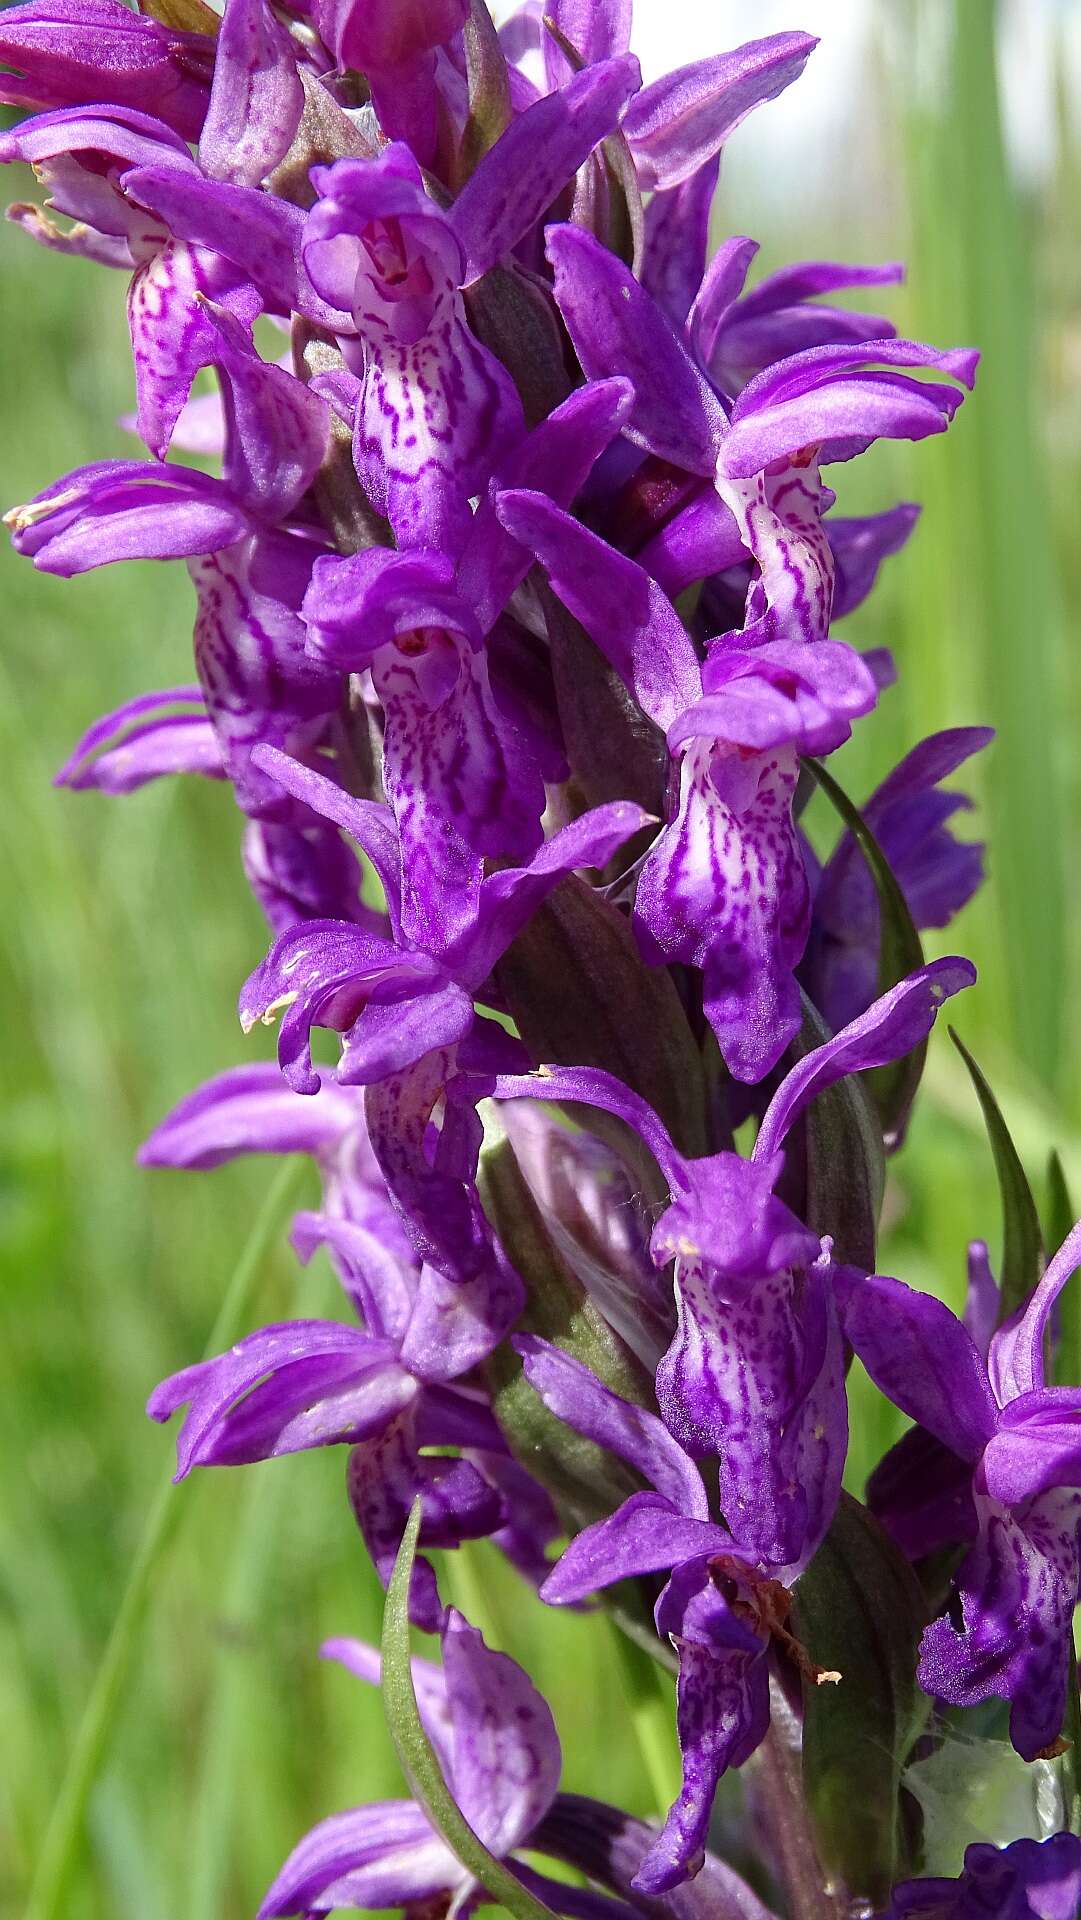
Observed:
{"x":626,"y":233}
{"x":893,"y":1088}
{"x":488,"y":85}
{"x":581,"y":995}
{"x":859,"y":1613}
{"x":844,"y":1162}
{"x":585,"y":1480}
{"x":417,"y":1755}
{"x":1060,"y":1217}
{"x":1022,"y":1244}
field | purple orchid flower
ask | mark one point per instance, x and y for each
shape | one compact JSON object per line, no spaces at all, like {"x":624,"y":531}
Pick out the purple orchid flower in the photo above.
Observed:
{"x":724,"y":888}
{"x":70,"y":53}
{"x":297,"y":869}
{"x":681,"y":122}
{"x":910,"y":816}
{"x":85,"y":157}
{"x":735,"y":335}
{"x":250,"y":570}
{"x":1028,"y":1880}
{"x":256,"y":99}
{"x":383,"y":1387}
{"x":463,"y":766}
{"x":828,"y":403}
{"x":716,"y":1608}
{"x":500,"y":1753}
{"x":394,"y":46}
{"x":144,"y":739}
{"x":434,"y":409}
{"x":396,"y":1001}
{"x":1014,"y":1440}
{"x":754,"y":1374}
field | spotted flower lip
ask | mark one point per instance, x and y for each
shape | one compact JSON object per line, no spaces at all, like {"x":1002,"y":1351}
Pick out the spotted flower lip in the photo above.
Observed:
{"x":1018,"y":1584}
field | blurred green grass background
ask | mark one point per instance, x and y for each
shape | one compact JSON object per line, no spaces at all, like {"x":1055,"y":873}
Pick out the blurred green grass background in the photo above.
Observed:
{"x":126,"y":930}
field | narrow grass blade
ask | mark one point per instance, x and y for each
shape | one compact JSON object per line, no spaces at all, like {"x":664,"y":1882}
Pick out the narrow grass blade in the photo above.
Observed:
{"x":1022,"y":1244}
{"x":651,"y":1710}
{"x":415,"y":1751}
{"x":64,"y":1837}
{"x":893,"y":1088}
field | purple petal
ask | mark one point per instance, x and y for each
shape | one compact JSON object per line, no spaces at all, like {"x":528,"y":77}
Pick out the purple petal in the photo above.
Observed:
{"x":703,"y":538}
{"x":596,"y":29}
{"x":125,"y":510}
{"x":257,"y":97}
{"x":141,"y":741}
{"x":385,"y":1477}
{"x":172,"y":332}
{"x":276,"y":429}
{"x":367,"y":822}
{"x":249,"y":1110}
{"x":380,"y":1283}
{"x":260,"y":683}
{"x":1016,"y":1356}
{"x":724,"y":889}
{"x":924,"y":1360}
{"x":541,"y":150}
{"x":1037,"y":1446}
{"x":457,"y":1323}
{"x":58,"y":48}
{"x":459,"y":777}
{"x":591,"y":1086}
{"x":1018,"y":1589}
{"x":721,"y":286}
{"x":722,"y":1710}
{"x":621,"y":608}
{"x":724,"y":1211}
{"x":509,"y":898}
{"x":896,"y":1023}
{"x":676,"y":239}
{"x":922,"y":1494}
{"x":758,"y":1380}
{"x":777,"y":694}
{"x":555,"y":460}
{"x":382,"y":1855}
{"x":722,"y":1714}
{"x":577,"y":1397}
{"x":829,"y":398}
{"x":324,"y":973}
{"x":259,"y":233}
{"x":679,"y":122}
{"x":507,"y":1759}
{"x":644,"y":1535}
{"x":302,"y":870}
{"x":306,"y":1383}
{"x":616,"y":328}
{"x":779,"y":516}
{"x":859,"y":548}
{"x":608,"y":1847}
{"x":386,"y":1039}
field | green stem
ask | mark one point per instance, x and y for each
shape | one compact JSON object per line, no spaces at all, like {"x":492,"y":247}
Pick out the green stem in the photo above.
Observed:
{"x":59,"y":1853}
{"x":795,"y":1854}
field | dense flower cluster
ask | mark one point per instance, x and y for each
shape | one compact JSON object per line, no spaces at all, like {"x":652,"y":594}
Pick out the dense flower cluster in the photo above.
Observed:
{"x":515,"y":594}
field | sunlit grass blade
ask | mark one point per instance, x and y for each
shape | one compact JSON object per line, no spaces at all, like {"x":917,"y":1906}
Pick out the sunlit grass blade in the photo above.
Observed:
{"x":63,"y":1839}
{"x":417,"y":1755}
